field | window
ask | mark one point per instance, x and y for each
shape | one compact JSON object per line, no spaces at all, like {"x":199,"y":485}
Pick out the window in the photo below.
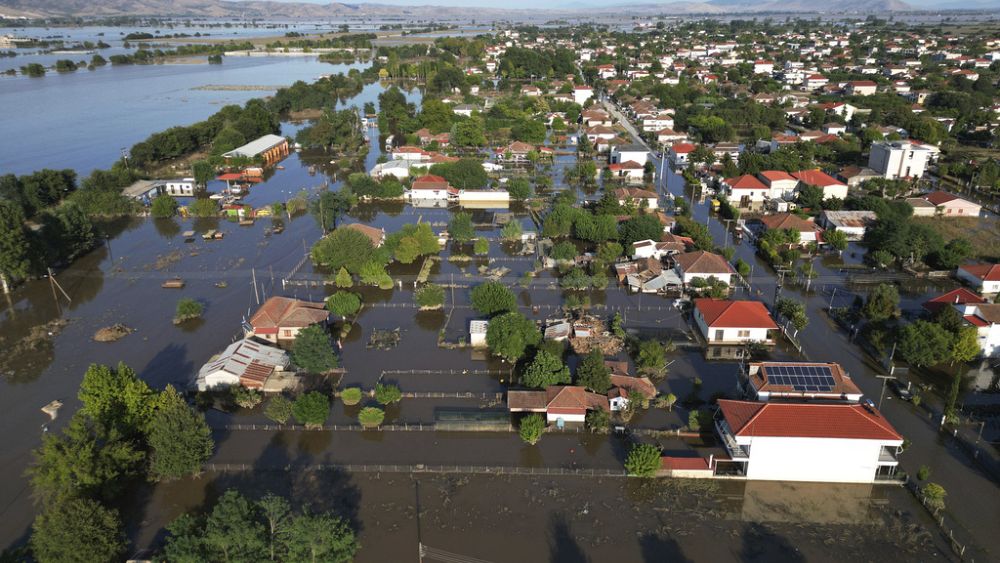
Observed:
{"x":744,"y":334}
{"x":287,"y":333}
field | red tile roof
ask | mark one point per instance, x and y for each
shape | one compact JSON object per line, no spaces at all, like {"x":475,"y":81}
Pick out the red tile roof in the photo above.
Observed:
{"x":789,"y":221}
{"x":430,"y":182}
{"x":806,"y":420}
{"x":941,"y":198}
{"x":776,"y":175}
{"x":745,"y":182}
{"x":683,"y":463}
{"x":682,"y":148}
{"x":959,"y":296}
{"x":816,"y":178}
{"x":734,"y":314}
{"x":985,"y":272}
{"x":285,"y":312}
{"x":702,"y":262}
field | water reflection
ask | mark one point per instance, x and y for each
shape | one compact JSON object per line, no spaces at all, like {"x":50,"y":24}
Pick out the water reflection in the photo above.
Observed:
{"x":167,"y":228}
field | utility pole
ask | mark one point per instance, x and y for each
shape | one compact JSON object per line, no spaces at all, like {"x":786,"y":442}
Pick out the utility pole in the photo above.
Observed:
{"x":831,"y":298}
{"x":882,"y":394}
{"x":253,"y":276}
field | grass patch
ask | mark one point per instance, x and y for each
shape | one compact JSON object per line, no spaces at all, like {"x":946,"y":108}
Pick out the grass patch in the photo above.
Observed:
{"x":984,"y":233}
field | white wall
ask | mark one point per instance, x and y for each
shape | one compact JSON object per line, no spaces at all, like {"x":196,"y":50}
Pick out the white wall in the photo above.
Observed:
{"x":832,"y":460}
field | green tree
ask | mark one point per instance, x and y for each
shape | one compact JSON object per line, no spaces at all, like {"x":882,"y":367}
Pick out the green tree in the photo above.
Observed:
{"x":77,"y":530}
{"x":546,"y":369}
{"x":511,"y":232}
{"x":460,"y":227}
{"x":491,"y":298}
{"x":343,"y":248}
{"x":643,"y":460}
{"x":371,"y":417}
{"x":965,"y":346}
{"x":510,"y":334}
{"x":430,"y":296}
{"x":387,"y":394}
{"x":279,"y":409}
{"x":667,"y":401}
{"x":794,"y":311}
{"x":202,"y":171}
{"x":312,"y":350}
{"x":233,"y":532}
{"x":15,"y":252}
{"x":836,"y":239}
{"x":343,"y":279}
{"x":188,"y":309}
{"x":329,"y":207}
{"x":598,"y":421}
{"x":882,"y":303}
{"x":117,"y":398}
{"x":180,"y":440}
{"x":320,"y":538}
{"x":531,"y":428}
{"x":481,"y":246}
{"x":592,"y":373}
{"x":519,"y":189}
{"x":83,"y":462}
{"x":343,"y":303}
{"x":163,"y":207}
{"x":651,"y":356}
{"x":311,"y":409}
{"x":276,"y":515}
{"x":642,"y":227}
{"x":923,"y":343}
{"x":934,"y":495}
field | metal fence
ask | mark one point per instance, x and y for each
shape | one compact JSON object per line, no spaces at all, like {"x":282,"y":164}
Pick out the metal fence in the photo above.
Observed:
{"x":421,"y":468}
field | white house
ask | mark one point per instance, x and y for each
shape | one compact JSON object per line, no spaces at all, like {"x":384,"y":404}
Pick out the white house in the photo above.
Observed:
{"x":658,"y":122}
{"x":831,"y":186}
{"x":560,"y":403}
{"x":898,"y":159}
{"x":582,"y":93}
{"x":808,"y":230}
{"x":984,"y":277}
{"x":183,"y":187}
{"x":430,"y":186}
{"x":766,"y":381}
{"x":629,"y":170}
{"x":704,"y":265}
{"x":852,"y":223}
{"x":733,"y":322}
{"x":397,"y":168}
{"x":624,"y":153}
{"x":477,"y":333}
{"x":679,"y":153}
{"x":819,"y":442}
{"x":780,"y":184}
{"x":623,"y":384}
{"x":245,"y":362}
{"x":637,"y":197}
{"x":745,"y":189}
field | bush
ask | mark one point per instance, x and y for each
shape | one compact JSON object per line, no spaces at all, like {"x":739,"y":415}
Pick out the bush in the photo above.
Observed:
{"x":343,"y":279}
{"x":163,"y":207}
{"x":311,"y":409}
{"x":387,"y":394}
{"x":188,"y":309}
{"x":923,"y":473}
{"x":934,"y":496}
{"x":481,"y":247}
{"x":598,"y":421}
{"x":371,"y":417}
{"x":351,"y":396}
{"x":698,"y":420}
{"x":643,"y":460}
{"x":343,"y":303}
{"x":204,"y":208}
{"x":531,"y":428}
{"x":312,"y":350}
{"x":279,"y":409}
{"x":430,"y":296}
{"x":246,"y":398}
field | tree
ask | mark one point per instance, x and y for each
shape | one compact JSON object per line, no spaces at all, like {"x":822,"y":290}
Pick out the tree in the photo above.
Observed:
{"x":460,"y":227}
{"x":246,"y":398}
{"x":180,"y":440}
{"x":329,"y":207}
{"x":923,"y":343}
{"x":343,"y":303}
{"x":202,"y":170}
{"x":470,"y":133}
{"x":546,"y":369}
{"x":882,"y":303}
{"x":965,"y":347}
{"x":78,"y":530}
{"x":276,"y":515}
{"x":232,"y":531}
{"x":117,"y":398}
{"x":15,"y":252}
{"x":312,"y":351}
{"x":482,"y":246}
{"x":519,"y":189}
{"x":642,"y":227}
{"x":598,"y":421}
{"x":667,"y":401}
{"x":934,"y":495}
{"x":188,"y":309}
{"x":643,"y":460}
{"x":510,"y":334}
{"x":387,"y":394}
{"x":511,"y":232}
{"x":493,"y":297}
{"x":371,"y":417}
{"x":320,"y":538}
{"x":794,"y":311}
{"x":592,"y":373}
{"x":430,"y":296}
{"x":279,"y":409}
{"x":163,"y":207}
{"x":467,"y":173}
{"x":343,"y":279}
{"x":311,"y":409}
{"x":531,"y":428}
{"x":651,"y":356}
{"x":83,"y":462}
{"x":343,"y":248}
{"x":836,"y":239}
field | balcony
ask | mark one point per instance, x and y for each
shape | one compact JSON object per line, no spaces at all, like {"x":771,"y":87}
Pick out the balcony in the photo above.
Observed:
{"x":887,"y":456}
{"x":736,"y":451}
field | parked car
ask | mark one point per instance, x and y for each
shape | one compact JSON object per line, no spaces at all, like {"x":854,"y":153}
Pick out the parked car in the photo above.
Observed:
{"x":900,"y":389}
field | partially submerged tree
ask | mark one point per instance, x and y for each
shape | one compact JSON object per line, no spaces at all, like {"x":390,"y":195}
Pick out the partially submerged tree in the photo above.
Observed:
{"x":531,"y":428}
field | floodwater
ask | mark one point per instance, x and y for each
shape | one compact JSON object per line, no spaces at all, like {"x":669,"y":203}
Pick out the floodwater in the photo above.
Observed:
{"x":563,"y":519}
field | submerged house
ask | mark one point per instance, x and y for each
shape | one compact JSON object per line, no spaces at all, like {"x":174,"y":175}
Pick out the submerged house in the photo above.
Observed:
{"x":560,"y":403}
{"x":280,"y":319}
{"x":245,"y":362}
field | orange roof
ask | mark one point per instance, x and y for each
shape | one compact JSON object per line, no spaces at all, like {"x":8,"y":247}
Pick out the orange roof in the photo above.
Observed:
{"x":430,"y":182}
{"x":745,"y":182}
{"x":776,"y":175}
{"x":681,"y":148}
{"x":683,"y":463}
{"x":806,"y":420}
{"x":960,"y":296}
{"x":285,"y":312}
{"x":702,"y":262}
{"x":816,"y":178}
{"x":570,"y":398}
{"x":734,"y":314}
{"x":985,"y":272}
{"x":788,"y":221}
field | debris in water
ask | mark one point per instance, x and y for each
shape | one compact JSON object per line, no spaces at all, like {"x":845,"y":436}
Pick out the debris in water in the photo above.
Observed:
{"x":112,"y":333}
{"x":52,"y":409}
{"x":384,"y":339}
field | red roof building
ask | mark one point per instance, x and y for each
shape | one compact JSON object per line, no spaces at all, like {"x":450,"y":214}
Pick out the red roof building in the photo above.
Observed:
{"x":279,"y":319}
{"x":733,"y":322}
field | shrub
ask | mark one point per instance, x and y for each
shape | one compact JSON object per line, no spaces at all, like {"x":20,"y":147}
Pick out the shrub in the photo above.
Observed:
{"x":351,"y":396}
{"x":312,"y":350}
{"x":934,"y":496}
{"x":481,"y":247}
{"x":188,"y":309}
{"x":387,"y":394}
{"x":493,"y":297}
{"x":371,"y":417}
{"x":246,"y":398}
{"x":430,"y":296}
{"x":598,"y":421}
{"x":343,"y":279}
{"x":343,"y":303}
{"x":279,"y":409}
{"x":163,"y":207}
{"x":643,"y":460}
{"x":923,"y":473}
{"x":311,"y":409}
{"x":531,"y":428}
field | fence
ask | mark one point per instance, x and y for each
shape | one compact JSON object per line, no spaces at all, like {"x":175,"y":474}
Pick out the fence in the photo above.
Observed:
{"x":939,"y":519}
{"x":421,"y":468}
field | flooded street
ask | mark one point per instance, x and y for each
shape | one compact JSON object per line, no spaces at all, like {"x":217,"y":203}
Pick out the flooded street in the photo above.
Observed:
{"x":569,"y":518}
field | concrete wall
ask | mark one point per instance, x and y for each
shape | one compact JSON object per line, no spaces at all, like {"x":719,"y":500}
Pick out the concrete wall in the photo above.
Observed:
{"x":831,"y":460}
